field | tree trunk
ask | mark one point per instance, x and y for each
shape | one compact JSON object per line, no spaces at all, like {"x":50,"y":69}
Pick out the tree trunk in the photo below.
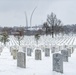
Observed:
{"x":52,"y":31}
{"x":19,"y":42}
{"x":37,"y":42}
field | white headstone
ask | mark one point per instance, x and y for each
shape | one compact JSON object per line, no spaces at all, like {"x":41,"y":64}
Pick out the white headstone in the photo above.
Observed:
{"x":69,"y":52}
{"x":29,"y":51}
{"x":58,"y":62}
{"x":21,"y":59}
{"x":72,"y":50}
{"x":65,"y":55}
{"x":53,"y":49}
{"x":38,"y":54}
{"x":11,"y":50}
{"x":47,"y":52}
{"x":14,"y":53}
{"x":24,"y":49}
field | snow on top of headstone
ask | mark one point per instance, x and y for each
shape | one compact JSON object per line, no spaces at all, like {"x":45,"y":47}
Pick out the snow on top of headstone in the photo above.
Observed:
{"x":20,"y":49}
{"x":57,"y":52}
{"x":64,"y":49}
{"x":38,"y":48}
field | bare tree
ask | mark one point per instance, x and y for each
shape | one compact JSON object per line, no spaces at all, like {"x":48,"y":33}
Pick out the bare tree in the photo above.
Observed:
{"x":37,"y":37}
{"x":4,"y":37}
{"x":46,"y":28}
{"x":51,"y":20}
{"x":19,"y":35}
{"x":54,"y":23}
{"x":57,"y":27}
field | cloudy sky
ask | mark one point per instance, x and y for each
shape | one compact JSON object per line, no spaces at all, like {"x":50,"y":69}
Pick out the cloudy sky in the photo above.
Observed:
{"x":12,"y":12}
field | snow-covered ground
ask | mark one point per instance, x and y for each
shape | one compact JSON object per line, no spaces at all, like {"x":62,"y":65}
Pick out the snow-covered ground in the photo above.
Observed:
{"x":8,"y":66}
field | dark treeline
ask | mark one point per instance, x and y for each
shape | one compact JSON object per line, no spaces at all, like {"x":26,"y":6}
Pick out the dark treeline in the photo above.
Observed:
{"x":45,"y":29}
{"x":53,"y":26}
{"x":66,"y":29}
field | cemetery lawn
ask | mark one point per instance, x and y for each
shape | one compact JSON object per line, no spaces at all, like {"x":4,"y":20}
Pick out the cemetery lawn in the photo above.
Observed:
{"x":8,"y":66}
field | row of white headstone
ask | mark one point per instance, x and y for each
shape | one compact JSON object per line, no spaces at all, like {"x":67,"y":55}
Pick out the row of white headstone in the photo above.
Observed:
{"x":58,"y":58}
{"x":38,"y":52}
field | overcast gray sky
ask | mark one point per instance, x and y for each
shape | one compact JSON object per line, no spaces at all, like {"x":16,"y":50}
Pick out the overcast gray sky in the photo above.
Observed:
{"x":12,"y":11}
